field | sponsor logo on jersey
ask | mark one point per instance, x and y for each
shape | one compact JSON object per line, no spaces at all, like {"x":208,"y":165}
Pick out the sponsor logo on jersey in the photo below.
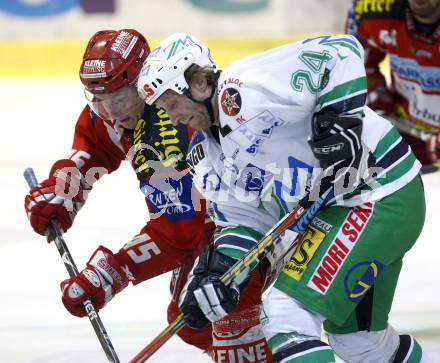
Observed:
{"x":170,"y":196}
{"x":427,"y":77}
{"x":322,"y":225}
{"x":195,"y":156}
{"x":254,"y":352}
{"x":158,"y":141}
{"x":372,"y":6}
{"x":421,"y":53}
{"x":240,"y":119}
{"x":253,"y":179}
{"x":229,"y":168}
{"x":230,"y":101}
{"x":124,"y":43}
{"x":251,"y":134}
{"x":341,"y":246}
{"x":310,"y":242}
{"x":361,"y":277}
{"x":425,"y":114}
{"x":231,"y":80}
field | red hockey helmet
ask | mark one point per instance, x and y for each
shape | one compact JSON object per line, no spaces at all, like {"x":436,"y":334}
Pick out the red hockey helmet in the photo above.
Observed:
{"x":112,"y":60}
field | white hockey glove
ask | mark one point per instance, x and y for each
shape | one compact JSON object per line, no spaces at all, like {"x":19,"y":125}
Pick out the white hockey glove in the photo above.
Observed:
{"x":205,"y":298}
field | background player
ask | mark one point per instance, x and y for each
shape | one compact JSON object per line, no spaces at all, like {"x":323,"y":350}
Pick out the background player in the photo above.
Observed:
{"x":408,"y":31}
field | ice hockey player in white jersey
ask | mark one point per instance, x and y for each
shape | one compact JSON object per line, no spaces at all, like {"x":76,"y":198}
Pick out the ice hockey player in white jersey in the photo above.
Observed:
{"x":281,"y":115}
{"x":238,"y":335}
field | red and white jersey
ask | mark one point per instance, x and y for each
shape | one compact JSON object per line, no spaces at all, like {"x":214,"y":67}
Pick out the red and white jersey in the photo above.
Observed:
{"x":388,"y":27}
{"x":177,"y":227}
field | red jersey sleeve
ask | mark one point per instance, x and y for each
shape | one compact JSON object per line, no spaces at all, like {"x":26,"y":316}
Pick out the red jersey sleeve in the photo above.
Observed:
{"x":96,"y":144}
{"x":369,"y":27}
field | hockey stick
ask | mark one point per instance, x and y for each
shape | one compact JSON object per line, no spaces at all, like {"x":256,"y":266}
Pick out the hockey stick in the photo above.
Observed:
{"x":94,"y":318}
{"x":298,"y":219}
{"x":406,"y":127}
{"x":430,"y":168}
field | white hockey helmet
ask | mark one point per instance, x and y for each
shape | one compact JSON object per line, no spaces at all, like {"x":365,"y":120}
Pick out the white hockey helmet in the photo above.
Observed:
{"x":165,"y":66}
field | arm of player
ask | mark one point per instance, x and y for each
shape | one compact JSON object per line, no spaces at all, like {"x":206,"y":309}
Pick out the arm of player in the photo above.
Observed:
{"x":100,"y":281}
{"x":205,"y":298}
{"x":64,"y":192}
{"x":336,"y":139}
{"x":140,"y":259}
{"x":94,"y":151}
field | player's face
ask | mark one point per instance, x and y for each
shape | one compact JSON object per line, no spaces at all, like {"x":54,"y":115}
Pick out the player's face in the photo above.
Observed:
{"x":124,"y":106}
{"x":181,"y":109}
{"x":426,"y":9}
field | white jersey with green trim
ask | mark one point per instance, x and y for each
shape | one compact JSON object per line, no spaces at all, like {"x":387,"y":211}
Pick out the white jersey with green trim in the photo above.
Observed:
{"x":232,"y":203}
{"x":266,"y":103}
{"x":229,"y":191}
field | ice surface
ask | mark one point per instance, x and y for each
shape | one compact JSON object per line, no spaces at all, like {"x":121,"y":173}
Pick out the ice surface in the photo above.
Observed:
{"x":38,"y":118}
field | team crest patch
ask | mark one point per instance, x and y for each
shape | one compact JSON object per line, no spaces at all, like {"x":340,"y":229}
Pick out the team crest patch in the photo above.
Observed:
{"x":231,"y":101}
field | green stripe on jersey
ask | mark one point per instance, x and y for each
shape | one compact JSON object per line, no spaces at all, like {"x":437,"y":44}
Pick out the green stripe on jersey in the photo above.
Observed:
{"x":385,"y":142}
{"x":345,"y":45}
{"x":239,"y":232}
{"x":415,"y":355}
{"x":343,"y":90}
{"x":395,"y":171}
{"x":242,"y":231}
{"x":398,"y":170}
{"x":319,"y":355}
{"x":389,"y":176}
{"x":272,"y":198}
{"x":280,"y":341}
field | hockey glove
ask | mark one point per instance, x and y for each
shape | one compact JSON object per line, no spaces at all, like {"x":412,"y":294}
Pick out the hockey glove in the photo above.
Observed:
{"x":205,"y":298}
{"x":433,"y":149}
{"x":102,"y":278}
{"x":336,"y":142}
{"x":380,"y":98}
{"x":59,"y":197}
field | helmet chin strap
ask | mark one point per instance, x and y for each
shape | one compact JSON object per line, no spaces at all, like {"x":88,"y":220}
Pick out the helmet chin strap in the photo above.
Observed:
{"x":207,"y":102}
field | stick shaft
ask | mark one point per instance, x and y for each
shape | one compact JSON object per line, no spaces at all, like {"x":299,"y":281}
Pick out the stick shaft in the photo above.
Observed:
{"x":71,"y":268}
{"x":408,"y":128}
{"x":297,"y":219}
{"x":430,"y":168}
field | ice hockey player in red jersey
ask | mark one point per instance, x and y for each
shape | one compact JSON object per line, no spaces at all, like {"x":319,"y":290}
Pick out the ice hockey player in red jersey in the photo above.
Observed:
{"x":117,"y":125}
{"x":408,"y":31}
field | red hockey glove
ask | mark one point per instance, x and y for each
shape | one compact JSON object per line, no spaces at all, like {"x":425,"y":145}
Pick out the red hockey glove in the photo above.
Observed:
{"x":433,"y":148}
{"x":60,"y":196}
{"x":379,"y":97}
{"x":102,"y":278}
